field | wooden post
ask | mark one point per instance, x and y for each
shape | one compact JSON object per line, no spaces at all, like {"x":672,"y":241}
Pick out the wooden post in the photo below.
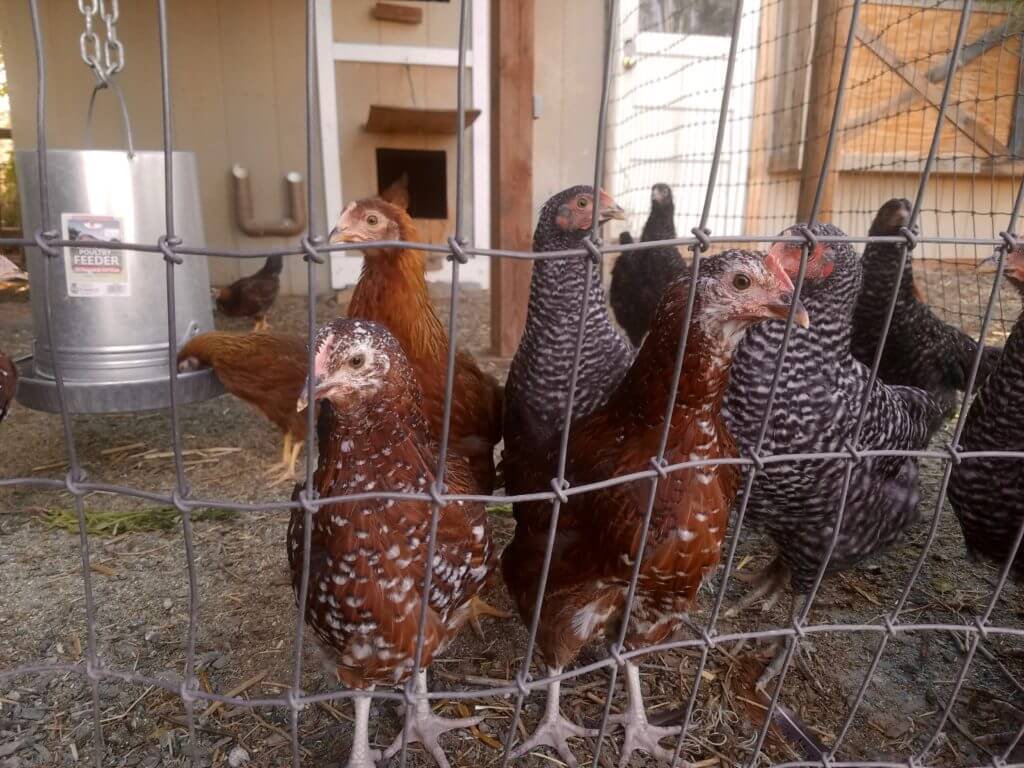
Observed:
{"x":511,"y":168}
{"x":830,"y":34}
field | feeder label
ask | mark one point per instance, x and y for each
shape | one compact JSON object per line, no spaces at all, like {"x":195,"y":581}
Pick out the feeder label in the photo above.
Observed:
{"x":92,"y":270}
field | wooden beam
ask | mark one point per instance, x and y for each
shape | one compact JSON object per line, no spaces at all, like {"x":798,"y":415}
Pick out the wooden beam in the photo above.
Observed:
{"x":830,"y":32}
{"x":917,"y":79}
{"x":401,"y":14}
{"x":512,"y":168}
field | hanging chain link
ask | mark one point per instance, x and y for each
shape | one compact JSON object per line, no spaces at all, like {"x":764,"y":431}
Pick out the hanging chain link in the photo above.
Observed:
{"x":108,"y":59}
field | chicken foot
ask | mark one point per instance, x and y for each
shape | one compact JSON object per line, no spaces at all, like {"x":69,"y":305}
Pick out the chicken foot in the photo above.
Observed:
{"x":640,"y":734}
{"x":284,"y":470}
{"x":362,"y":755}
{"x":769,"y":584}
{"x":554,"y":731}
{"x":774,"y":667}
{"x":479,"y":608}
{"x":425,"y":727}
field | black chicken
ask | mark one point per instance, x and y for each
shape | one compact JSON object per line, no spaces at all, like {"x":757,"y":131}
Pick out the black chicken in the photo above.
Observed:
{"x":639,"y":277}
{"x":920,"y":351}
{"x":987,"y":494}
{"x":252,"y":296}
{"x":820,"y":394}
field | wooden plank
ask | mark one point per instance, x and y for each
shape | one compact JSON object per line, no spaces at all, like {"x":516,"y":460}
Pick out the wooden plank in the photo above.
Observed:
{"x":789,"y":38}
{"x":917,"y":79}
{"x":512,"y":168}
{"x":387,"y":119}
{"x":935,"y":74}
{"x":831,"y":29}
{"x":401,"y":14}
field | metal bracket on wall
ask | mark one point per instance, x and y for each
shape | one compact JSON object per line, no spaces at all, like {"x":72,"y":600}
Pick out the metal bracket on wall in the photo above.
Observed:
{"x":293,"y":224}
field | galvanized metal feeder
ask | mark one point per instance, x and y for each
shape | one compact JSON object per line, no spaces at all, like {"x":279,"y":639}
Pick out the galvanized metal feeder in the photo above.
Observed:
{"x":109,"y":306}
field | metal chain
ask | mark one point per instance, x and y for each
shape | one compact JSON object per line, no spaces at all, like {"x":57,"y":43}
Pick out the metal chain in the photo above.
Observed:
{"x":107,"y":59}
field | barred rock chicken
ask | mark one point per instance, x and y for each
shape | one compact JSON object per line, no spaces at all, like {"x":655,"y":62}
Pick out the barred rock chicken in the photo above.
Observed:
{"x":367,"y":559}
{"x":820,"y":394}
{"x":987,"y":494}
{"x":920,"y":351}
{"x":392,"y":290}
{"x":252,"y":296}
{"x":640,"y":277}
{"x":537,"y":387}
{"x":266,"y":370}
{"x":599,"y":533}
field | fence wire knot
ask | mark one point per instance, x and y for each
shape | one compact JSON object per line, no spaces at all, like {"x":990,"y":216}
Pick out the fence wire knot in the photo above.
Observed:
{"x":559,"y":487}
{"x":167,"y":244}
{"x":306,"y":503}
{"x":809,"y":237}
{"x":954,"y":452}
{"x":615,"y":651}
{"x":593,"y":247}
{"x":310,"y":253}
{"x":709,"y":637}
{"x":185,"y":691}
{"x":457,"y":253}
{"x":755,"y":459}
{"x":910,"y":235}
{"x":294,"y":698}
{"x":981,"y":624}
{"x":437,"y":492}
{"x":890,"y":623}
{"x":178,"y":500}
{"x":521,"y":686}
{"x":1010,"y":241}
{"x":93,"y":670}
{"x":71,"y":482}
{"x":851,"y":449}
{"x":42,"y":240}
{"x":658,"y":465}
{"x":703,"y":235}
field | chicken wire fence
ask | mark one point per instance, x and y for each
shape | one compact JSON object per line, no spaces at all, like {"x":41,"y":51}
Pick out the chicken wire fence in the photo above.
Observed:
{"x":715,"y":181}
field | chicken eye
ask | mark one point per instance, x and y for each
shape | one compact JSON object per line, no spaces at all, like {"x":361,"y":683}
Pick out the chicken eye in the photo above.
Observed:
{"x":372,"y":220}
{"x":582,"y":202}
{"x":356,"y":361}
{"x":740,"y":282}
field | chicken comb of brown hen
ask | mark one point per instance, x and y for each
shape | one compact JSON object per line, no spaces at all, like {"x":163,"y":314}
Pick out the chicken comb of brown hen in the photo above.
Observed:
{"x":392,"y":290}
{"x":599,"y":534}
{"x":368,"y":557}
{"x":987,"y":494}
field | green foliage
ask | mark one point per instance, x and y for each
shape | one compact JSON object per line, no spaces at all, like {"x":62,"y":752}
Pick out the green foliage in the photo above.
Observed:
{"x":113,"y":522}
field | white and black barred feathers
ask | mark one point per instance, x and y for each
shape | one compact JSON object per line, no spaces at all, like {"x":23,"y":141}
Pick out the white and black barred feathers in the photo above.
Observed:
{"x":820,"y":393}
{"x":537,"y":387}
{"x":639,"y":278}
{"x":987,"y":494}
{"x":920,"y":350}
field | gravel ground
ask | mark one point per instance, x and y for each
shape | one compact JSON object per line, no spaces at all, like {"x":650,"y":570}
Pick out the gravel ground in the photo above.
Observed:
{"x":246,"y":614}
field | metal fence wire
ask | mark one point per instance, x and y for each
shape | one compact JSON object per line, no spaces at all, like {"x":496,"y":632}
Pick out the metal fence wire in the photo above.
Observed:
{"x":894,"y":623}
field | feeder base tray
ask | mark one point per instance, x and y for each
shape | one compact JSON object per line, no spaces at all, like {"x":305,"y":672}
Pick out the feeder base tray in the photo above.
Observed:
{"x":40,"y":393}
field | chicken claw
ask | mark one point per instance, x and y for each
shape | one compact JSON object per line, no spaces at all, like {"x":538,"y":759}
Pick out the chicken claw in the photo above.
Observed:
{"x":425,"y":727}
{"x":478,"y":608}
{"x":769,"y":584}
{"x":640,"y":734}
{"x":554,"y":730}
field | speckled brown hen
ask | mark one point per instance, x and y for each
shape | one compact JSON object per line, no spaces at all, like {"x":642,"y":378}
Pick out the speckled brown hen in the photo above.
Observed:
{"x":599,"y":533}
{"x":368,"y":558}
{"x":392,"y":291}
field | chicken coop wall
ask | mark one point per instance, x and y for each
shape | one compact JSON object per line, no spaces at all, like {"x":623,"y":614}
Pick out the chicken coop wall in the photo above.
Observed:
{"x":310,"y":252}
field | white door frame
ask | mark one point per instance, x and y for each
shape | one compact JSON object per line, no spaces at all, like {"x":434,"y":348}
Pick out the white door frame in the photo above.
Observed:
{"x":344,"y":269}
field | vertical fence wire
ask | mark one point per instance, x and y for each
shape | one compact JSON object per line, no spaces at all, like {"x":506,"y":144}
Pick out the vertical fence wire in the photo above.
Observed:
{"x":458,"y":249}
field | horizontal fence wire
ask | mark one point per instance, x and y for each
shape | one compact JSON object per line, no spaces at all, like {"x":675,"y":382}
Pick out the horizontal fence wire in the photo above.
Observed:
{"x":719,"y":178}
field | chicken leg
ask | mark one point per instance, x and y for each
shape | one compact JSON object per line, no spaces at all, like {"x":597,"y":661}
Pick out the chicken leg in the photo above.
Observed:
{"x":771,"y":671}
{"x":769,"y":584}
{"x":640,"y":734}
{"x":425,"y":727}
{"x":362,"y":755}
{"x":478,"y":608}
{"x":284,"y":470}
{"x":554,"y":730}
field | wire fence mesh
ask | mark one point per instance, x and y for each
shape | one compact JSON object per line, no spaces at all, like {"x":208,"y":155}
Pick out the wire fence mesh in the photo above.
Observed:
{"x":714,"y":174}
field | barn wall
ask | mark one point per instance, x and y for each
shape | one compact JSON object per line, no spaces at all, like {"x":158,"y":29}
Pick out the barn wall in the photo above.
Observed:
{"x":237,"y":89}
{"x":567,"y":79}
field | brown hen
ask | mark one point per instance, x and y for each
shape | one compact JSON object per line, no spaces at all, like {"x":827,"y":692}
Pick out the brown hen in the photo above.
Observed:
{"x":367,"y":558}
{"x":252,"y":296}
{"x":599,"y":533}
{"x":392,"y":290}
{"x":266,"y":370}
{"x":8,"y":384}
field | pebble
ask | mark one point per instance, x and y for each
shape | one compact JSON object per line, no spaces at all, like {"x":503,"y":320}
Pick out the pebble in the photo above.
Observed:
{"x":167,"y":604}
{"x":237,"y":757}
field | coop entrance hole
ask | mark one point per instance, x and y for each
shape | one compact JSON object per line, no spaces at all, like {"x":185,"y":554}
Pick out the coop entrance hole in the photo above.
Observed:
{"x":428,"y":183}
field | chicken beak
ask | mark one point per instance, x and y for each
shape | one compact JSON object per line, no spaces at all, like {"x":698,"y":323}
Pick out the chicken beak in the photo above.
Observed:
{"x":303,"y":401}
{"x":987,"y":265}
{"x":612,"y":211}
{"x":333,"y":236}
{"x":780,"y":311}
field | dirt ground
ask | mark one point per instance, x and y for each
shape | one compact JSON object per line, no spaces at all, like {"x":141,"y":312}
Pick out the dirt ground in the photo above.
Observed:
{"x":247,"y":617}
